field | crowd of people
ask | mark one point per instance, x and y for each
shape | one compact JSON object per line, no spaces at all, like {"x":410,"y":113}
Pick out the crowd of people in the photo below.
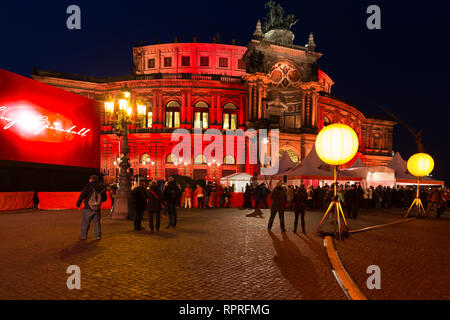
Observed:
{"x":165,"y":196}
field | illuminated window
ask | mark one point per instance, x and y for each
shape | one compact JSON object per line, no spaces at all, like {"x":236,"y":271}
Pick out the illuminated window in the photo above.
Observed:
{"x":291,"y":153}
{"x":200,"y":159}
{"x":223,"y":62}
{"x":230,"y":119}
{"x":185,"y":61}
{"x":229,"y":159}
{"x":201,"y":120}
{"x":144,"y":159}
{"x":150,"y":63}
{"x":204,"y":61}
{"x":201,"y":115}
{"x":173,"y":114}
{"x":171,"y":158}
{"x":167,"y":61}
{"x":149,"y":119}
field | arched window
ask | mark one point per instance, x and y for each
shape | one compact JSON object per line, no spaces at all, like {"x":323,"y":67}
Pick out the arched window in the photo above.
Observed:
{"x":326,"y":121}
{"x":173,"y":114}
{"x":171,"y":158}
{"x":230,"y":118}
{"x":291,"y":153}
{"x":201,"y":115}
{"x":229,"y":159}
{"x":144,"y":158}
{"x":145,"y":114}
{"x":200,"y":159}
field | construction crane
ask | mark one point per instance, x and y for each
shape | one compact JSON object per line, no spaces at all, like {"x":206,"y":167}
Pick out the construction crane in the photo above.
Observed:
{"x":416,"y":133}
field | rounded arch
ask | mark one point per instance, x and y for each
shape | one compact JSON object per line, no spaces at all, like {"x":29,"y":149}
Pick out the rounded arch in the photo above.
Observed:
{"x":200,"y":159}
{"x":229,"y":159}
{"x":171,"y":158}
{"x":230,"y":106}
{"x":173,"y":104}
{"x":144,"y":158}
{"x":291,"y":153}
{"x":201,"y":104}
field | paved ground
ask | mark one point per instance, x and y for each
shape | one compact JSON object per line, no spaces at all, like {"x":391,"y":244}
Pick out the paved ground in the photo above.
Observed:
{"x":215,"y":254}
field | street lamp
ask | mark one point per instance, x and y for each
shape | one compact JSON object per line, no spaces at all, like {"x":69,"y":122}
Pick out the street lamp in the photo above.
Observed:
{"x":419,"y":165}
{"x":121,"y":120}
{"x":336,"y":144}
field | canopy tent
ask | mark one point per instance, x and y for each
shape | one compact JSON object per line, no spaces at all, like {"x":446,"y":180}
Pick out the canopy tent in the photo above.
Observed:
{"x":373,"y":176}
{"x":358,"y":164}
{"x":285,"y":163}
{"x":311,"y":171}
{"x":402,"y":175}
{"x":238,"y":180}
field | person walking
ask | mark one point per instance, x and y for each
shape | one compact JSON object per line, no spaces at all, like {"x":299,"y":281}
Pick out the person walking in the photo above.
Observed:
{"x":172,"y":195}
{"x":207,"y":194}
{"x":247,"y":195}
{"x":139,"y":196}
{"x":300,"y":199}
{"x":278,"y":197}
{"x":188,"y":197}
{"x":200,"y":195}
{"x":93,"y":194}
{"x":155,"y":205}
{"x":35,"y":200}
{"x":434,"y":199}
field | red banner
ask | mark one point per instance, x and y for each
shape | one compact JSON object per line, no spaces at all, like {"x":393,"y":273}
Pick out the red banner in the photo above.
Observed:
{"x":10,"y":201}
{"x":43,"y":124}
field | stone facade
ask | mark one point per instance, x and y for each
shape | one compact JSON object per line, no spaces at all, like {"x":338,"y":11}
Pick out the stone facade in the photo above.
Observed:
{"x":271,"y":83}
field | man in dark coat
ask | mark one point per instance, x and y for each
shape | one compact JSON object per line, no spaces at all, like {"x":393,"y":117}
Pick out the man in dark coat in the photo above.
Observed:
{"x":172,"y":195}
{"x":300,"y":198}
{"x":355,"y":200}
{"x":278,"y":197}
{"x":247,"y":195}
{"x":348,"y":200}
{"x":139,"y":196}
{"x":91,"y":211}
{"x":155,"y":205}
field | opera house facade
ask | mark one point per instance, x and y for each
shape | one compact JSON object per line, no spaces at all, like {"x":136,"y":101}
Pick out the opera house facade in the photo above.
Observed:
{"x":270,"y":83}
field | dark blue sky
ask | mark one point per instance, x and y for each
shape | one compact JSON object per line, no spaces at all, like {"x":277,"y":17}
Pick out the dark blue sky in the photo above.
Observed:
{"x":404,"y":66}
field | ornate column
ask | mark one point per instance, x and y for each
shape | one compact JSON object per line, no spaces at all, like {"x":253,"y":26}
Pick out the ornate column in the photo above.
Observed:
{"x":310,"y":92}
{"x":258,"y":84}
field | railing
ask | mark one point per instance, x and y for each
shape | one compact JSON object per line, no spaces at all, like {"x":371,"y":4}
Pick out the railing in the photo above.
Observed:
{"x":131,"y":77}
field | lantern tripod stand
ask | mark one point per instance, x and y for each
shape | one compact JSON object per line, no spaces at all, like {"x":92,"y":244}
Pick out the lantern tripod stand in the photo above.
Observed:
{"x":336,"y":204}
{"x":417,"y":203}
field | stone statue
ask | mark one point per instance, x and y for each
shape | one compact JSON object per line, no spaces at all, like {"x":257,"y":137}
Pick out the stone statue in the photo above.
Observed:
{"x":275,"y":18}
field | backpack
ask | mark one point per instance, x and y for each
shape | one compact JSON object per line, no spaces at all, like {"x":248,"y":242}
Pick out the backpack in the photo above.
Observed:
{"x":95,"y":200}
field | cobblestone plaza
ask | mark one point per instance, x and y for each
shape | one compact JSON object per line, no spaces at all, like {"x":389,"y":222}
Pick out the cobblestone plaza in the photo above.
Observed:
{"x":218,"y":254}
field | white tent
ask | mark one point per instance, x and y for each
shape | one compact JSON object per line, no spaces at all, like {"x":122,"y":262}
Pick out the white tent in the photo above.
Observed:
{"x":402,"y":175}
{"x":238,"y":180}
{"x":285,"y":163}
{"x":313,"y":171}
{"x":358,"y":163}
{"x":373,"y":176}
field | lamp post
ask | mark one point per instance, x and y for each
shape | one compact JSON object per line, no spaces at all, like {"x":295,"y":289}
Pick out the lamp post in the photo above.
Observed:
{"x":419,"y":165}
{"x":214,"y":165}
{"x":336,"y":144}
{"x":122,"y":118}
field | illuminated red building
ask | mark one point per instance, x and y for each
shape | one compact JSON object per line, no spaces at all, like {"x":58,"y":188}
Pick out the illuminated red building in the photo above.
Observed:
{"x":271,"y":83}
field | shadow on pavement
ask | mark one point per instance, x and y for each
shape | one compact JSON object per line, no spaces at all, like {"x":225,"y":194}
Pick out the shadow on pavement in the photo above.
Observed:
{"x":81,"y":247}
{"x":295,"y":267}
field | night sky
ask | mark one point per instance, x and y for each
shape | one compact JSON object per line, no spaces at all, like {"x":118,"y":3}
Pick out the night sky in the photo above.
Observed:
{"x":404,"y":66}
